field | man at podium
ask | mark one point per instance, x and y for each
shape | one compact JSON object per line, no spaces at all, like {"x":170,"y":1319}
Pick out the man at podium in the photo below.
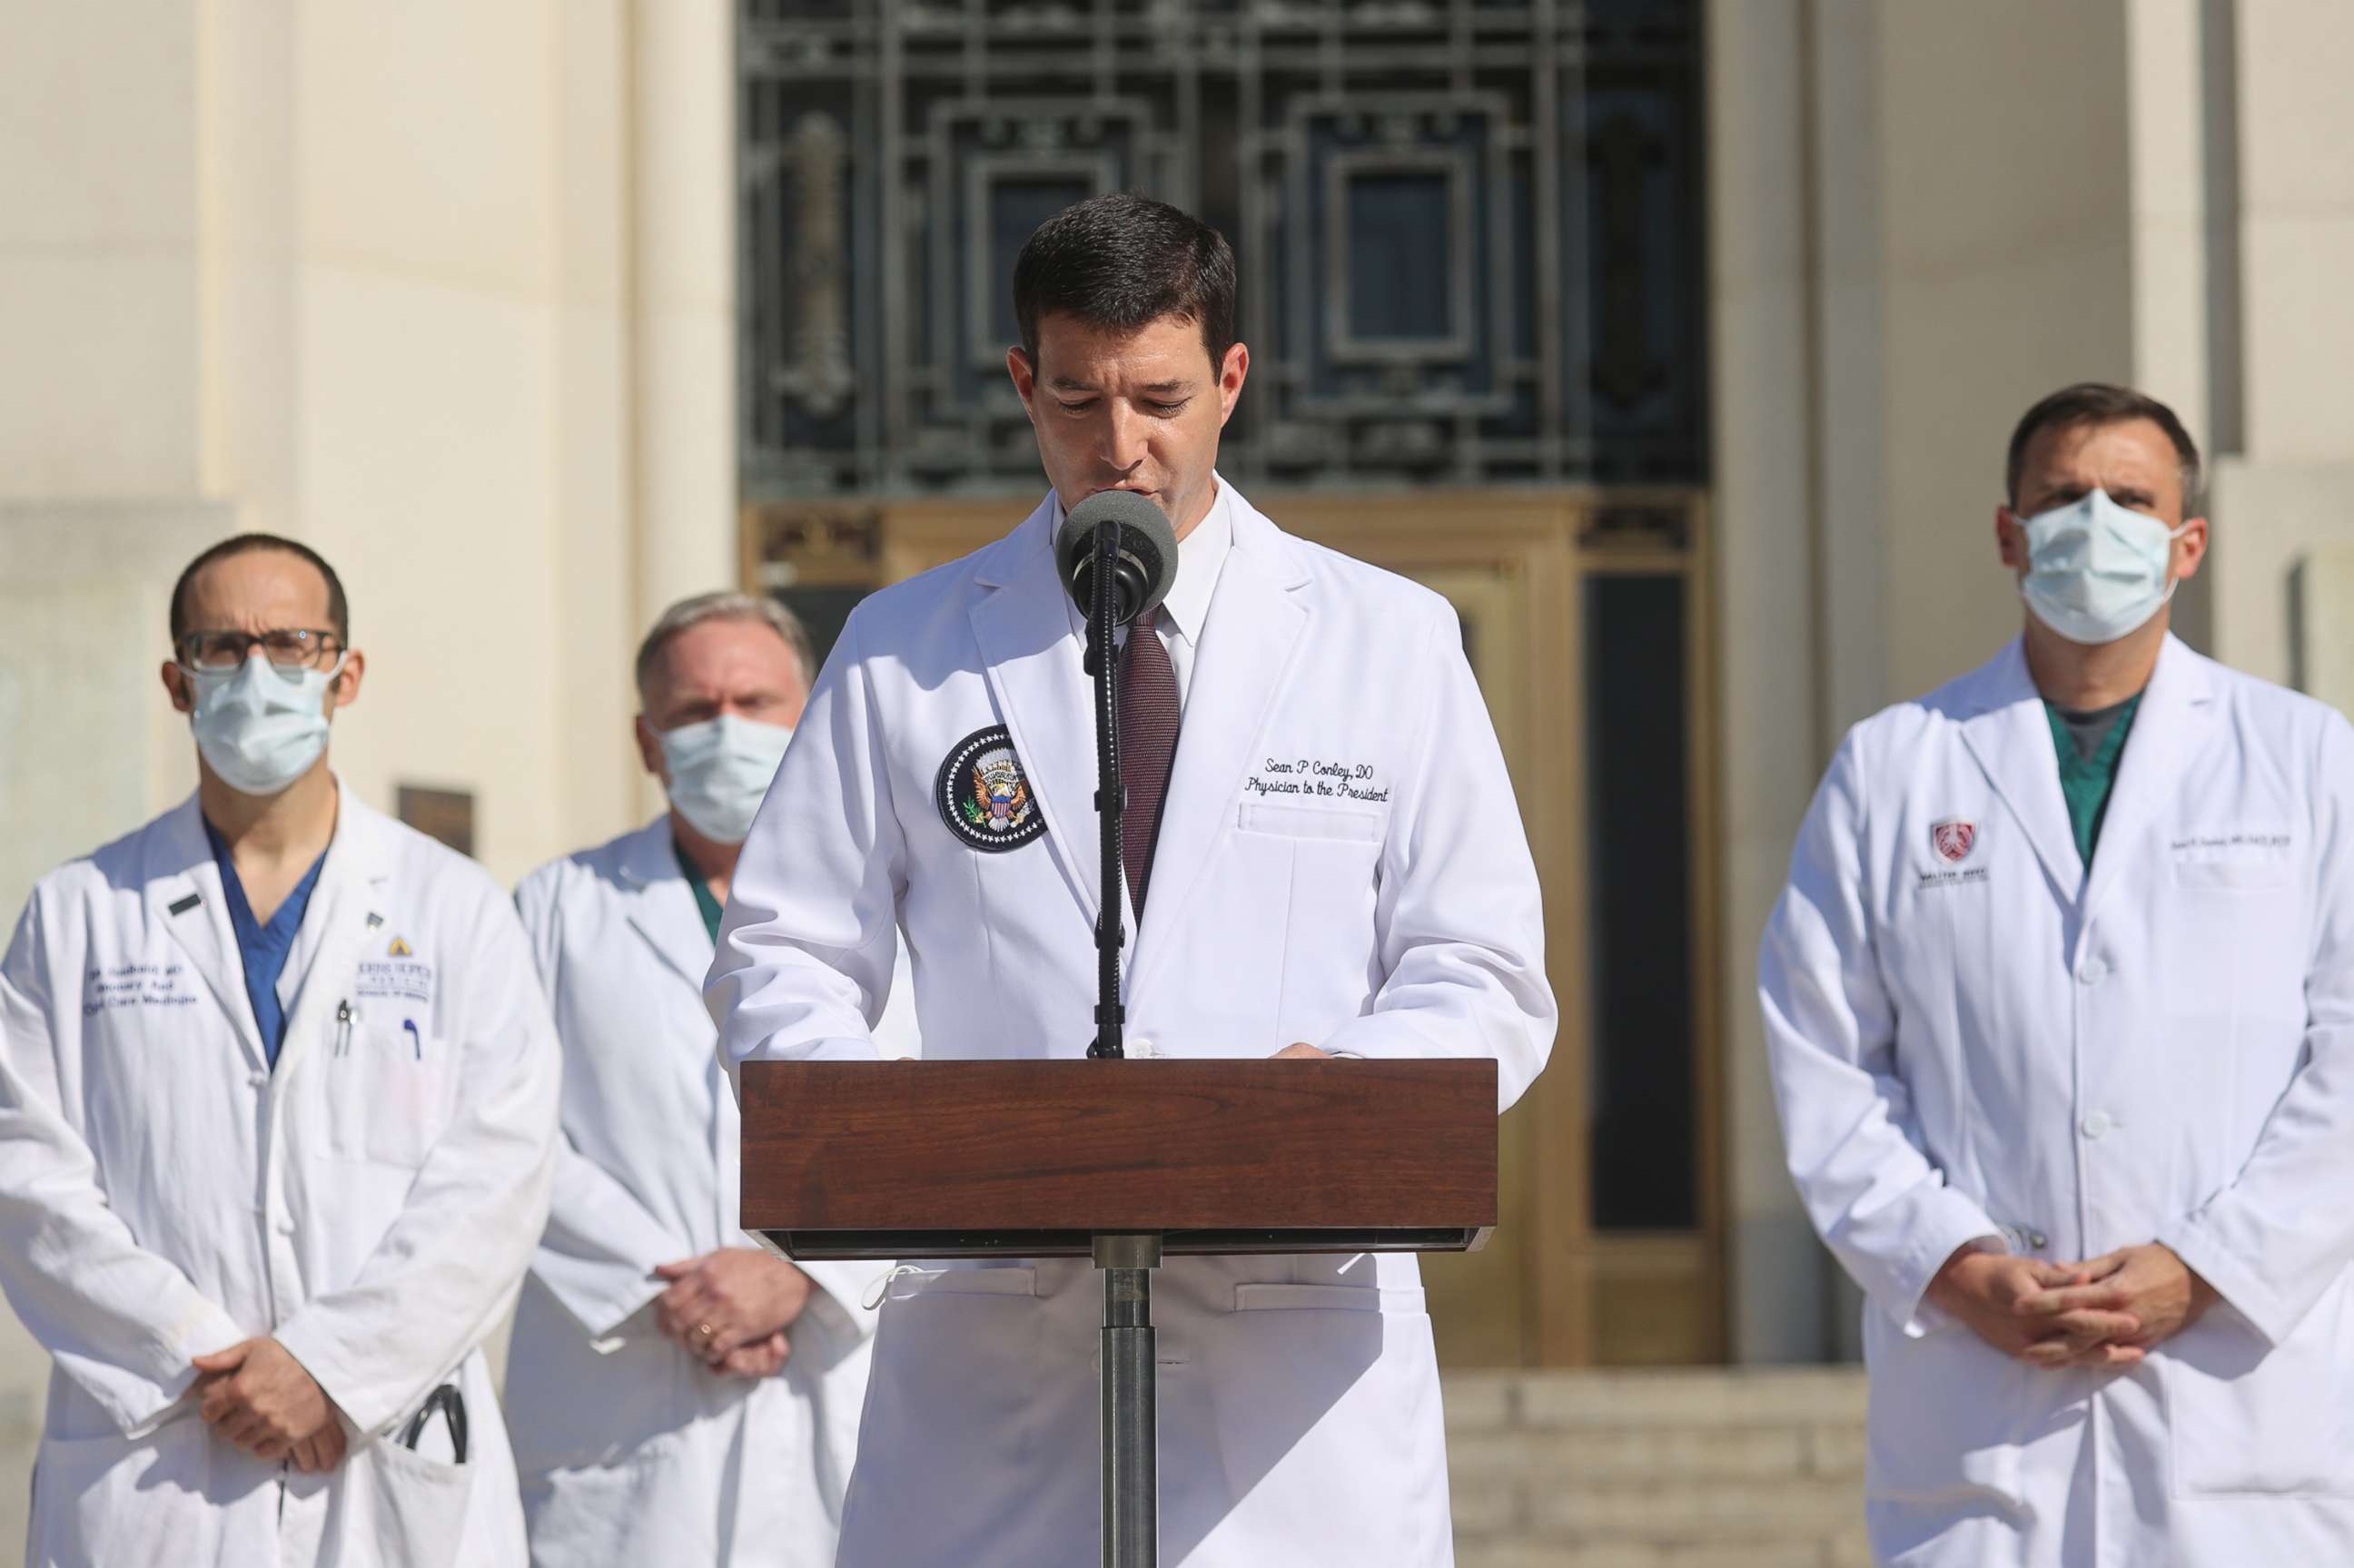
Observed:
{"x":1323,"y":857}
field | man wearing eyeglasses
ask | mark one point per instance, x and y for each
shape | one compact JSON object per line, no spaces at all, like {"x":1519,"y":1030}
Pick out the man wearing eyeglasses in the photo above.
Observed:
{"x":278,"y":1097}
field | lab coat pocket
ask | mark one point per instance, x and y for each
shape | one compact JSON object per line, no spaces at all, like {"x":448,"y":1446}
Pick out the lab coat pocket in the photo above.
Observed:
{"x":391,"y":1505}
{"x":1272,"y":1296}
{"x":1328,"y":892}
{"x":908,"y":1282}
{"x":2264,"y":872}
{"x":100,"y":1501}
{"x":655,"y":1504}
{"x":1946,"y":1421}
{"x":956,"y":1402}
{"x":391,"y":1090}
{"x":2243,"y":1420}
{"x":1326,"y":1406}
{"x":1311,"y":822}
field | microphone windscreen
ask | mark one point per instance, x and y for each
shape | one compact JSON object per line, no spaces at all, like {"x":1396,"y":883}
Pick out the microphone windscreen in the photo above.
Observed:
{"x":1147,"y":551}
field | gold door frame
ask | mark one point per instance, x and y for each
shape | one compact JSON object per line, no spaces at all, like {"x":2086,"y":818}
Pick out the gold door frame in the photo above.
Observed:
{"x":1556,"y":1292}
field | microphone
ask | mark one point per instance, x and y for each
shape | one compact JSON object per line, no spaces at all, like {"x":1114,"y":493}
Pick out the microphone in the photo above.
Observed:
{"x":1148,"y":552}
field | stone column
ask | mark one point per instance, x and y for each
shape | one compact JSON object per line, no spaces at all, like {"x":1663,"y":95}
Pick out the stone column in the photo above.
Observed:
{"x":1760,"y":283}
{"x":681,"y":95}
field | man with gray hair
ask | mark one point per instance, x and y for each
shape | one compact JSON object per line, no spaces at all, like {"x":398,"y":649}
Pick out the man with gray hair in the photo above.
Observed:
{"x":676,"y":1395}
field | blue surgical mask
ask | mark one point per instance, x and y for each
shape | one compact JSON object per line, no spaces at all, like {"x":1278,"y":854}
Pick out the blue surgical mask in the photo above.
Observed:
{"x":260,"y":727}
{"x":719,"y":772}
{"x":2096,"y":570}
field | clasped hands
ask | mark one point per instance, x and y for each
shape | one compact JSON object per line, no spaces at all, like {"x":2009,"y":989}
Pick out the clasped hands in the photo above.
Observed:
{"x":256,"y":1395}
{"x":729,"y":1309}
{"x":2106,"y":1311}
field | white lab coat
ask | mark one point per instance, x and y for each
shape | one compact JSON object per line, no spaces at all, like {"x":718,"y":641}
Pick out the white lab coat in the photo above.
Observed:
{"x":1974,"y":1041}
{"x":372,"y":1202}
{"x":1392,"y":911}
{"x":631,"y":1450}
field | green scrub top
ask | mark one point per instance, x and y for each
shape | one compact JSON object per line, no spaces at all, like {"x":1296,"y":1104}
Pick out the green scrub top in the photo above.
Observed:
{"x":704,"y":904}
{"x":2090,"y":746}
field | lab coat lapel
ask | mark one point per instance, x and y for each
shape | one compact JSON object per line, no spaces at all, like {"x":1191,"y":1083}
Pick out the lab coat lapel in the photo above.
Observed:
{"x":2011,"y":739}
{"x":1037,"y":672}
{"x":349,"y":910}
{"x":184,"y":896}
{"x":662,"y":905}
{"x":1247,"y":640}
{"x":2169,"y":728}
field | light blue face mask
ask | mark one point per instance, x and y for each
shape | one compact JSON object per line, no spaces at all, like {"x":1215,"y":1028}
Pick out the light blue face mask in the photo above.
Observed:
{"x":719,"y":772}
{"x":259,"y":727}
{"x":2096,"y":570}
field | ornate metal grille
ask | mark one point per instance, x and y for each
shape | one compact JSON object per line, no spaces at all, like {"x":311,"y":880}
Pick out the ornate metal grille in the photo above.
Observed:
{"x":1468,"y":229}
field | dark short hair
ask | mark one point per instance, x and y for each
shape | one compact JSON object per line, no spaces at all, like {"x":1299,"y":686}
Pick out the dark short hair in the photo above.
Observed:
{"x":758,"y":608}
{"x":339,"y":617}
{"x":1122,"y":262}
{"x":2102,"y":403}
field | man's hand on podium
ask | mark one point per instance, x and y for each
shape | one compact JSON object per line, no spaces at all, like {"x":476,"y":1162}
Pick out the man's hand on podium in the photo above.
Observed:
{"x":1302,"y":1052}
{"x":730,"y":1308}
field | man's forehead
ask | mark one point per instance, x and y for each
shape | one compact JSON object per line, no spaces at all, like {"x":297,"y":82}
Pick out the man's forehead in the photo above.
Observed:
{"x":715,"y":655}
{"x":2112,"y":444}
{"x":1165,"y":353}
{"x":259,"y":583}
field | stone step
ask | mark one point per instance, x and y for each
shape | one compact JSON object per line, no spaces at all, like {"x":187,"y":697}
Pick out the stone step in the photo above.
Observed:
{"x":1597,"y":1455}
{"x":1685,"y":1468}
{"x":1849,"y":1552}
{"x":1680,"y":1509}
{"x":1704,"y":1397}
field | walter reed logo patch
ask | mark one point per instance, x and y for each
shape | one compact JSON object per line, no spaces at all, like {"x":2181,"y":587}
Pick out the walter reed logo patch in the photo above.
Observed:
{"x":1953,"y":842}
{"x":983,"y":795}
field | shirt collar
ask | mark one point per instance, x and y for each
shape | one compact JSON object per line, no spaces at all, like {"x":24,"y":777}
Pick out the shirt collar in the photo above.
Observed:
{"x":1201,"y":559}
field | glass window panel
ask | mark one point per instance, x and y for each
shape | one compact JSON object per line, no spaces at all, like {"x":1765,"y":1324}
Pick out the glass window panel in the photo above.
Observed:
{"x":1016,"y":207}
{"x":825,"y":611}
{"x":1642,"y":1132}
{"x":1400,"y":225}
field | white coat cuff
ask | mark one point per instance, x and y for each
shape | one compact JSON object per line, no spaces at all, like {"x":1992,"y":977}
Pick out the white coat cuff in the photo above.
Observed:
{"x":139,"y":1406}
{"x":832,"y":1048}
{"x":313,"y":1345}
{"x":824,"y":1311}
{"x":1399,"y":1036}
{"x":1948,"y":1224}
{"x":606,"y":1314}
{"x":612,"y":1333}
{"x":839,"y":1300}
{"x":2241,"y":1288}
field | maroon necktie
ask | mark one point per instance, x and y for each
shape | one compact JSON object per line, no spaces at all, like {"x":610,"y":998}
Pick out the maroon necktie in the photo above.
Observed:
{"x":1148,"y":745}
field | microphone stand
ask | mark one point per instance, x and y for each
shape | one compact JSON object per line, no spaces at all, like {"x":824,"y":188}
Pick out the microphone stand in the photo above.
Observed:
{"x":1127,"y":1409}
{"x":1103,"y":664}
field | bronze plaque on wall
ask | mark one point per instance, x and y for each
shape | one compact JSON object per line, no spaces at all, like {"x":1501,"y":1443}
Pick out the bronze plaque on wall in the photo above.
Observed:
{"x":444,"y":814}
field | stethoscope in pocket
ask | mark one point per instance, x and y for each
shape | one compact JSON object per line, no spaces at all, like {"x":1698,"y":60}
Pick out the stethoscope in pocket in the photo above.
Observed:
{"x":451,"y":1405}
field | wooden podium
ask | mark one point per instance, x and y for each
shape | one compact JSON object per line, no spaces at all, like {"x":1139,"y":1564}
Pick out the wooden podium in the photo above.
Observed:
{"x":1124,"y":1161}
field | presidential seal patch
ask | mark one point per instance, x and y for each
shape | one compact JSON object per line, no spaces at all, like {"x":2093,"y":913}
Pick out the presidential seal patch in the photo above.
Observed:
{"x":984,"y":795}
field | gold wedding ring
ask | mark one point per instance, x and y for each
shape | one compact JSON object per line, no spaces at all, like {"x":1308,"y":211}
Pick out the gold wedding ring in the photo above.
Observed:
{"x":705,"y":1330}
